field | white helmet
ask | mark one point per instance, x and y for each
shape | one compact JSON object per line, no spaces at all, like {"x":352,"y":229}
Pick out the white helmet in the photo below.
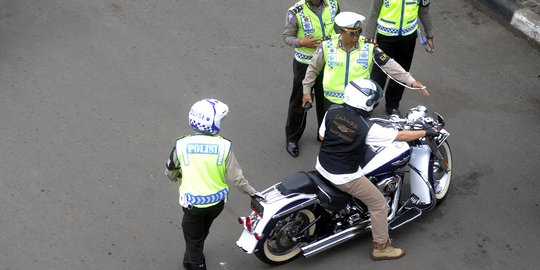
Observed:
{"x":206,"y":115}
{"x":349,"y":21}
{"x":363,"y":94}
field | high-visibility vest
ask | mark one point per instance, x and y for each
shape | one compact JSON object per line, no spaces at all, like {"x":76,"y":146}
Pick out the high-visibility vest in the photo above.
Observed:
{"x":311,"y":24}
{"x":341,"y":66}
{"x":202,"y":160}
{"x":398,"y":17}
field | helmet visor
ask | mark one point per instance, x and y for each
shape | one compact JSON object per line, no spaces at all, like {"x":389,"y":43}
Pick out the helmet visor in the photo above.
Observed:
{"x":375,"y":95}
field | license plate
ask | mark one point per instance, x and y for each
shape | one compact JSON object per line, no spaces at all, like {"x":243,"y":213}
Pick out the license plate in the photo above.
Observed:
{"x":256,"y":206}
{"x":443,"y":137}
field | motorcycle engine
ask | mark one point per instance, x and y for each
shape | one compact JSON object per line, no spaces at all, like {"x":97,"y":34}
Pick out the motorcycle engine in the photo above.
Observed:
{"x":388,"y":185}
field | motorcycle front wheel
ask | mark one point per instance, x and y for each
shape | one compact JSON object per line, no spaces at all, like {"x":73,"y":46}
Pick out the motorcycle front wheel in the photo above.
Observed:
{"x":283,"y":243}
{"x":440,"y":178}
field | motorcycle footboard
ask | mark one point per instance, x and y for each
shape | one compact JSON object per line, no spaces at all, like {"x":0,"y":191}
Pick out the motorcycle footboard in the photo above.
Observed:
{"x":404,"y":218}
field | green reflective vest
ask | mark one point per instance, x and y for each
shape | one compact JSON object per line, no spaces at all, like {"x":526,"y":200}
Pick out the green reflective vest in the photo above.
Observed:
{"x":341,"y":66}
{"x":398,"y":17}
{"x":203,"y":163}
{"x":311,"y":24}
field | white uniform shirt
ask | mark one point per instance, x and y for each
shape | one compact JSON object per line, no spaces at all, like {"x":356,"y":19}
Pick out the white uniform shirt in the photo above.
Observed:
{"x":377,"y":136}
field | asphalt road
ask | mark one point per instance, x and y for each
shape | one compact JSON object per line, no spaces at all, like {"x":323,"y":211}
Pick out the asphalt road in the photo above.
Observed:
{"x":93,"y":95}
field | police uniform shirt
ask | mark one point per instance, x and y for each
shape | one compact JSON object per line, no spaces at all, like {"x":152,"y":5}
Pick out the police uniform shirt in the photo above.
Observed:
{"x":317,"y":63}
{"x":376,"y":136}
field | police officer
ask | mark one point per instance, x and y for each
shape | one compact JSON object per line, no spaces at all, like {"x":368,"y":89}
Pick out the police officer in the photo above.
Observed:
{"x":308,"y":22}
{"x":349,"y":56}
{"x":396,"y":23}
{"x":203,"y":162}
{"x":346,"y":133}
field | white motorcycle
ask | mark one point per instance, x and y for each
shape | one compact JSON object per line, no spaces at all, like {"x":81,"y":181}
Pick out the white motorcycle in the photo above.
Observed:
{"x":305,"y":214}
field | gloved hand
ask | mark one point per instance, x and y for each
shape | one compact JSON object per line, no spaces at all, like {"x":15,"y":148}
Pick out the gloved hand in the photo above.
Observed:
{"x":432,"y":132}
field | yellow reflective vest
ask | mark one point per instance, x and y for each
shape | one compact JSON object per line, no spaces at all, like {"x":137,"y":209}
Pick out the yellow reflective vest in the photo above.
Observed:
{"x":311,"y":24}
{"x":203,"y":161}
{"x":341,"y":66}
{"x":398,"y":17}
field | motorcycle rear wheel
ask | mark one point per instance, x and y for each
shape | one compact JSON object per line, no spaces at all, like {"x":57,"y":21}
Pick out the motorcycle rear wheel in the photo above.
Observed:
{"x":278,"y":247}
{"x":438,"y":177}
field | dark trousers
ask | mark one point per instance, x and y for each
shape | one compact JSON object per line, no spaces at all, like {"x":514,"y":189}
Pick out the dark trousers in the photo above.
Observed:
{"x":293,"y":128}
{"x":401,"y":49}
{"x":196,"y":226}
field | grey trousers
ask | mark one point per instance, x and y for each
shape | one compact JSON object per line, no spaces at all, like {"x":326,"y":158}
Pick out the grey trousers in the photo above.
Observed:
{"x":368,"y":193}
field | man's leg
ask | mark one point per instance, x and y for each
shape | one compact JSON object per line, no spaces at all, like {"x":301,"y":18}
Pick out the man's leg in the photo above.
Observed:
{"x":293,"y":130}
{"x":319,"y":101}
{"x":195,"y":226}
{"x":365,"y":191}
{"x":401,"y":49}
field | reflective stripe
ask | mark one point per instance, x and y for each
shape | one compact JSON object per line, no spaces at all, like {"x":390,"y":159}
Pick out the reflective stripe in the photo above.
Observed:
{"x":302,"y":58}
{"x":395,"y":32}
{"x":333,"y":94}
{"x":208,"y":199}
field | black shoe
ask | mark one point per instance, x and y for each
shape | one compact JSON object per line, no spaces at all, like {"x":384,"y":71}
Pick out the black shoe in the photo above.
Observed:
{"x":395,"y":111}
{"x":194,"y":266}
{"x":292,"y":149}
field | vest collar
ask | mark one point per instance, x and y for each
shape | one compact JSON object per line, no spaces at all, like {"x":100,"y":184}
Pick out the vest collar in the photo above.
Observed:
{"x":340,"y":44}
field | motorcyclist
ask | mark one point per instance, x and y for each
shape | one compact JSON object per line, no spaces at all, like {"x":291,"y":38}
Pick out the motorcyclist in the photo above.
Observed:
{"x":346,"y":132}
{"x":203,"y":162}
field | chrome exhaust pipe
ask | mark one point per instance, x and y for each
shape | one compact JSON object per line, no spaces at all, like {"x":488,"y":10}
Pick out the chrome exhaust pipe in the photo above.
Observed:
{"x":335,"y":239}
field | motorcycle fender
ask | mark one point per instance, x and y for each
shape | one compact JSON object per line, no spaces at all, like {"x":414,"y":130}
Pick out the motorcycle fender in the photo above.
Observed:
{"x":247,"y":241}
{"x":419,"y":174}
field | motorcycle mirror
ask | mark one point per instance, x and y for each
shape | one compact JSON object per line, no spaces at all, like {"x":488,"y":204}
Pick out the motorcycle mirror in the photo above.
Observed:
{"x":440,"y":120}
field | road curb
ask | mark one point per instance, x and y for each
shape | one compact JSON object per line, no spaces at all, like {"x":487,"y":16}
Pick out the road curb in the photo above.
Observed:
{"x":527,"y":22}
{"x":524,"y":15}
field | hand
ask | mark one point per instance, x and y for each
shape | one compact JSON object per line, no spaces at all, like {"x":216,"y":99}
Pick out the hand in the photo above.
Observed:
{"x":305,"y":99}
{"x":432,"y":132}
{"x":257,"y":195}
{"x":174,"y":175}
{"x":421,"y":86}
{"x":431,"y":44}
{"x":309,"y":42}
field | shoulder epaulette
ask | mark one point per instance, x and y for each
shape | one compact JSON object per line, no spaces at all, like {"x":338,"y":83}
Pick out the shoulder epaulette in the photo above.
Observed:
{"x":370,"y":40}
{"x":297,"y":9}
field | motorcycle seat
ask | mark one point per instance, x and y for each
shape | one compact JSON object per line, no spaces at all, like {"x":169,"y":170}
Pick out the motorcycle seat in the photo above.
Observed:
{"x":299,"y":182}
{"x":314,"y":183}
{"x":330,"y":196}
